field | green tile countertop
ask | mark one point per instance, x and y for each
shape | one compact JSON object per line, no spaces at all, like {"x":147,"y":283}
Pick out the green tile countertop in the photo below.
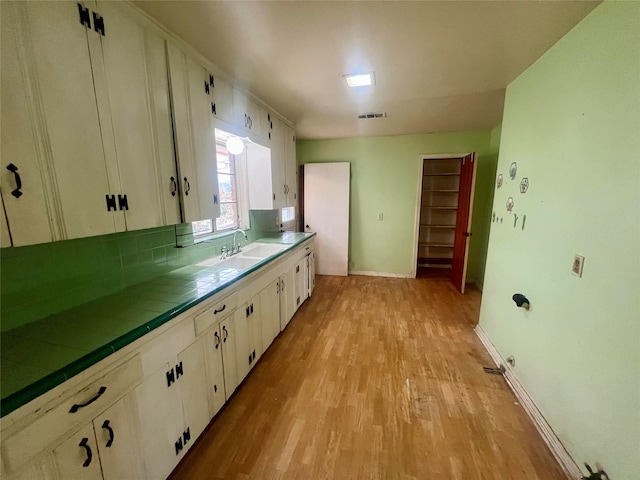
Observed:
{"x":41,"y":355}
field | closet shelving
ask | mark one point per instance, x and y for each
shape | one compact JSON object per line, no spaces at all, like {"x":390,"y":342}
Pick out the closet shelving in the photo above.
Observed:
{"x":438,"y":212}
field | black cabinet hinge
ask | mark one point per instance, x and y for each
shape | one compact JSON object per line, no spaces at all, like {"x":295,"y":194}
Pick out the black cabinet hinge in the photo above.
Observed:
{"x":213,"y":109}
{"x":206,"y":87}
{"x":249,"y":359}
{"x":178,"y":446}
{"x":251,"y":308}
{"x":211,"y":82}
{"x":123,"y":203}
{"x":85,"y":19}
{"x":254,"y":355}
{"x":98,"y":23}
{"x":247,"y":311}
{"x":298,"y":301}
{"x":215,"y":199}
{"x":186,"y":435}
{"x":171,"y":377}
{"x":111,"y":202}
{"x":179,"y":370}
{"x":297,"y":269}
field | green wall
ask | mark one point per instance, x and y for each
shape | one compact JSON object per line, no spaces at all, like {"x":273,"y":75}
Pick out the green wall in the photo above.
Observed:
{"x":384,"y":178}
{"x":572,"y":124}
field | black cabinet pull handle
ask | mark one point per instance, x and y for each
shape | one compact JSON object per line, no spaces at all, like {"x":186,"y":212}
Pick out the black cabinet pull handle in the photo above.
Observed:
{"x":221,"y":310}
{"x":13,"y":169}
{"x":174,"y":186}
{"x":217,"y":335}
{"x":75,"y":407}
{"x":84,"y":444}
{"x":226,"y":334}
{"x":106,"y":426}
{"x":187,"y":186}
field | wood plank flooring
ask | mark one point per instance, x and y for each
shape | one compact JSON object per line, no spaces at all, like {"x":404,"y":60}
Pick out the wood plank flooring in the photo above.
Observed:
{"x":374,"y":378}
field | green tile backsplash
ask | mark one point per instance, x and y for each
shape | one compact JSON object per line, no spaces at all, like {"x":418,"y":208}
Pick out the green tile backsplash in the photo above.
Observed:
{"x":41,"y":280}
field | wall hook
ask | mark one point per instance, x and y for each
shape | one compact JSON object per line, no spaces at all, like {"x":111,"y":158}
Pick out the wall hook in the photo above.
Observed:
{"x":521,"y":300}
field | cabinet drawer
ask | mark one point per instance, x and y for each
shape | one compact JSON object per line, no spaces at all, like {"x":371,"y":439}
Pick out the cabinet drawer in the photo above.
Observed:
{"x":215,"y":313}
{"x":72,"y":412}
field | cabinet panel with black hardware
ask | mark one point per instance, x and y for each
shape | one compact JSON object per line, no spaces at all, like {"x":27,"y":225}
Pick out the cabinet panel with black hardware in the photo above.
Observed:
{"x":83,"y":87}
{"x":194,"y":128}
{"x":246,"y":113}
{"x":248,"y":333}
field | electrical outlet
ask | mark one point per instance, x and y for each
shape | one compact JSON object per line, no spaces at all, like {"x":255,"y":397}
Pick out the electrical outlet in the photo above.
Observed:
{"x":576,"y":268}
{"x":380,"y":216}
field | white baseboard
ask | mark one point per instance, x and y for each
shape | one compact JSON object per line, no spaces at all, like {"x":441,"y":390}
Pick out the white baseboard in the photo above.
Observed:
{"x":560,"y":453}
{"x":379,"y":274}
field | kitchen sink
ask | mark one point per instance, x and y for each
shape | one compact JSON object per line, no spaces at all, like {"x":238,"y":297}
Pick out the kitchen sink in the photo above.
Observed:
{"x":238,"y":262}
{"x":262,"y":250}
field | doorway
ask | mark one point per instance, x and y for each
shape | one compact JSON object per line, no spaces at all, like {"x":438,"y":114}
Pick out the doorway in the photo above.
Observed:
{"x":444,"y":209}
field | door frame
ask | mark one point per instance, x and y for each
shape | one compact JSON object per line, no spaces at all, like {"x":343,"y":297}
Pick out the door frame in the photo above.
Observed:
{"x":416,"y":223}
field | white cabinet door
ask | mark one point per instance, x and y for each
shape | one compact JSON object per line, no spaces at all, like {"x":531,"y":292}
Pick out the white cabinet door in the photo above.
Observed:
{"x":60,"y":66}
{"x":118,"y":441}
{"x":161,"y":421}
{"x":204,"y":141}
{"x":195,"y":137}
{"x":242,"y":342}
{"x":159,"y":89}
{"x":266,"y":124}
{"x":312,"y":272}
{"x":26,"y":207}
{"x":301,"y":290}
{"x":194,"y":389}
{"x":228,"y":334}
{"x":246,"y":113}
{"x":77,"y":457}
{"x":131,"y":103}
{"x":291,"y":168}
{"x":215,"y":370}
{"x":221,"y":96}
{"x":277,"y":163}
{"x":260,"y":187}
{"x":248,"y":330}
{"x":287,"y":297}
{"x":270,"y":313}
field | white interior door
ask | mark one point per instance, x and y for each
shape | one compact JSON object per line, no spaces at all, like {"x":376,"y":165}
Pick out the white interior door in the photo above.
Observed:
{"x":326,"y":212}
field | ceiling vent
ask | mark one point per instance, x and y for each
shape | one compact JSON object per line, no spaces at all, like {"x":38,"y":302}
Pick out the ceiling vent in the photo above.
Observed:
{"x":373,"y":115}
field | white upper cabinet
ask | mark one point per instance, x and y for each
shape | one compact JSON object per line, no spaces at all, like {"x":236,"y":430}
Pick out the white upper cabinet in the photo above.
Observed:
{"x":195,"y":137}
{"x":21,"y":182}
{"x":86,"y":128}
{"x":277,"y":163}
{"x":261,"y":194}
{"x":246,"y":113}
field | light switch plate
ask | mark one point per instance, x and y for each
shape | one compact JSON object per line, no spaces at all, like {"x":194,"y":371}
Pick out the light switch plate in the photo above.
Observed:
{"x":578,"y":263}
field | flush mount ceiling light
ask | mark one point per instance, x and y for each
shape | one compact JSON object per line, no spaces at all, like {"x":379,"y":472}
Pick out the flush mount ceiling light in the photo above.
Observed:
{"x":360,"y":80}
{"x":235,"y":145}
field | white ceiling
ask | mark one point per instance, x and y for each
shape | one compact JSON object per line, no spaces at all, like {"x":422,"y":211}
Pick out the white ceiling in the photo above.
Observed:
{"x":440,"y":66}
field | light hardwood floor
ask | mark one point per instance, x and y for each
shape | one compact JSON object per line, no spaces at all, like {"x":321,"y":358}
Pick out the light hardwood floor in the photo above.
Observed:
{"x":374,"y":378}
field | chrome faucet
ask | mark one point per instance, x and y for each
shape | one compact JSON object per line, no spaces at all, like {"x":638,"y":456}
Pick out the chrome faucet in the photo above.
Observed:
{"x":237,"y":249}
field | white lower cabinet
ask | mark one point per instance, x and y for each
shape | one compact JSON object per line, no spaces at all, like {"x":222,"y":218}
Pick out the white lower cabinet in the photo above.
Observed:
{"x":311,"y":264}
{"x":107,"y":448}
{"x":77,"y":457}
{"x":287,"y":297}
{"x":248,"y":342}
{"x":270,"y":312}
{"x":173,"y":405}
{"x":301,"y":277}
{"x":161,"y":420}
